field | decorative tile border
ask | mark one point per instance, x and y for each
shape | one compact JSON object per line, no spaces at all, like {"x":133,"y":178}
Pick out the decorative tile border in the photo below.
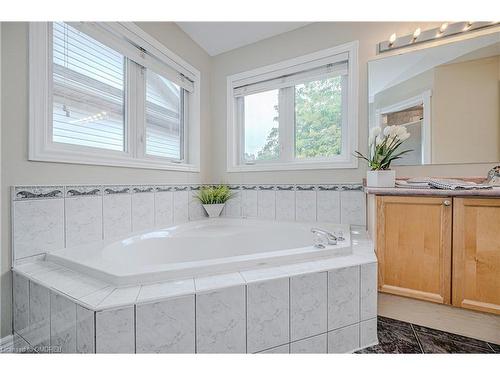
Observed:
{"x":79,"y":191}
{"x":267,"y":187}
{"x":305,"y":187}
{"x":352,"y":187}
{"x":58,"y":191}
{"x":285,"y":187}
{"x":163,"y":188}
{"x":116,"y":190}
{"x":143,"y":189}
{"x":37,"y":192}
{"x":329,"y":187}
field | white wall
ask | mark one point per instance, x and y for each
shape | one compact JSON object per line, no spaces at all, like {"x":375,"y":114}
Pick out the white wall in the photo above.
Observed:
{"x":17,"y":170}
{"x":298,"y":42}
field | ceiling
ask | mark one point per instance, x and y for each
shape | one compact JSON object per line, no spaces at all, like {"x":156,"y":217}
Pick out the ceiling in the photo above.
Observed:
{"x":219,"y":37}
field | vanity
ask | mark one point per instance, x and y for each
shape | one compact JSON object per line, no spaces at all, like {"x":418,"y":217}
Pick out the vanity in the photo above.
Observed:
{"x":441,"y":246}
{"x":435,"y":245}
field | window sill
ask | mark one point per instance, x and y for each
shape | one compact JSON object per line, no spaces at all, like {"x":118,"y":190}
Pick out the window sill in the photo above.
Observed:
{"x":351,"y":164}
{"x":111,"y":161}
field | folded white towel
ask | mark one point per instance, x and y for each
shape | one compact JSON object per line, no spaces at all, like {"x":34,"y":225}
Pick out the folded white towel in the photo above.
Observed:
{"x":456,"y":185}
{"x":416,"y":185}
{"x":439,"y":183}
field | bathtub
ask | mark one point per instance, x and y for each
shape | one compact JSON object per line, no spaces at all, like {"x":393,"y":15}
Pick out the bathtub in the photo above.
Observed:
{"x":200,"y":248}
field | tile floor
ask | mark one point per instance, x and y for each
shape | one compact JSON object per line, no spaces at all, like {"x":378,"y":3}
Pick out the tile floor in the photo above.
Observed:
{"x":397,"y":337}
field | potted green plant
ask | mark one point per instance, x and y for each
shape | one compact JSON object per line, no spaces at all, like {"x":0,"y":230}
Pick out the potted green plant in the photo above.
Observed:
{"x":382,"y":152}
{"x":213,"y":198}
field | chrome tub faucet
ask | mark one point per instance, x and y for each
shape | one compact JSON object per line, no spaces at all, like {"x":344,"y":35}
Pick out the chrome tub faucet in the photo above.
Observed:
{"x":330,"y":238}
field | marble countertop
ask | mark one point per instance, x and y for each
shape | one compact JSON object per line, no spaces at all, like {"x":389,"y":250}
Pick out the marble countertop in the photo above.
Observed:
{"x":97,"y":295}
{"x":494,"y":192}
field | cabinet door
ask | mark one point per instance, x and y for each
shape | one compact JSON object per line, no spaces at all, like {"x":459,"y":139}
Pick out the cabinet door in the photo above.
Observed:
{"x":476,"y":254}
{"x":414,"y":247}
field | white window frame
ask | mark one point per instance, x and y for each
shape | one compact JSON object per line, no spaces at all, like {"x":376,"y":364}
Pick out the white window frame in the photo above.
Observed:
{"x":235,"y":129}
{"x":41,"y":146}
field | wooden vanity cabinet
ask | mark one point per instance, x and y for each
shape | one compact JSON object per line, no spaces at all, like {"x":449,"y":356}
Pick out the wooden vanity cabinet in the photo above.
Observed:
{"x":476,"y":254}
{"x":414,"y":246}
{"x":440,"y":249}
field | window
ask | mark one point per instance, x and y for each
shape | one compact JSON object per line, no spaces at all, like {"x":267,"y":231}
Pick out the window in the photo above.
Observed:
{"x":298,"y":114}
{"x":164,"y":117}
{"x":261,"y":126}
{"x":88,"y":87}
{"x":109,"y":94}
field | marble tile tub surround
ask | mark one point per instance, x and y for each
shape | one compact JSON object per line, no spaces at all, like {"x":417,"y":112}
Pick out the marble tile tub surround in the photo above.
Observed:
{"x":46,"y":218}
{"x":56,"y":309}
{"x":250,"y":317}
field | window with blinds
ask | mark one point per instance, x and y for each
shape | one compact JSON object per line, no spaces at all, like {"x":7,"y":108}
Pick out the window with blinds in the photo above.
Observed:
{"x":294,"y":115}
{"x":108,"y":93}
{"x":88,"y":86}
{"x":164,"y":117}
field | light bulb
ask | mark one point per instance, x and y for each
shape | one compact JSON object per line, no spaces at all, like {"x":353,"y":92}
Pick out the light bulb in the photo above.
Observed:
{"x":392,"y":39}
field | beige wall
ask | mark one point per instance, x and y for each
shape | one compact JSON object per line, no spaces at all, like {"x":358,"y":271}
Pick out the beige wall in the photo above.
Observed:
{"x":16,"y":169}
{"x":474,"y":134}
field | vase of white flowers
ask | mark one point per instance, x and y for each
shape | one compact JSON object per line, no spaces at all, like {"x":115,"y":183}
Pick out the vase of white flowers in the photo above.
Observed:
{"x":382,"y":152}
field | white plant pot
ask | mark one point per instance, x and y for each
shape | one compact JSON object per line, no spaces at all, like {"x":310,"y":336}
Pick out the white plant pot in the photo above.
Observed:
{"x":213,"y":210}
{"x":381,"y":178}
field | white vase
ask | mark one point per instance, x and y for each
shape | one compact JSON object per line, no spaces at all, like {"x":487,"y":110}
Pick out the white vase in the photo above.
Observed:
{"x":385,"y":178}
{"x":213,"y":210}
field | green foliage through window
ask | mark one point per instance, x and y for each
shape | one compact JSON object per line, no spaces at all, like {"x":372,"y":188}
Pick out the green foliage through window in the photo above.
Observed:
{"x":318,"y":122}
{"x":318,"y":118}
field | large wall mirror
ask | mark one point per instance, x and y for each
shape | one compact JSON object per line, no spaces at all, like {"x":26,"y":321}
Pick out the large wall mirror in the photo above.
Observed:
{"x":448,"y":98}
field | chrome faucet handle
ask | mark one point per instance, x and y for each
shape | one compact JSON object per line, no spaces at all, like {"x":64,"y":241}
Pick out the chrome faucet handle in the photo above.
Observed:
{"x":330,"y":237}
{"x":340,"y":235}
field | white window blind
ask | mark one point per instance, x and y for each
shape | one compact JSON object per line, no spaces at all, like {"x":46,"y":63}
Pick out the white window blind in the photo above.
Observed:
{"x":88,"y":91}
{"x":164,"y":117}
{"x":143,"y":54}
{"x":292,"y":77}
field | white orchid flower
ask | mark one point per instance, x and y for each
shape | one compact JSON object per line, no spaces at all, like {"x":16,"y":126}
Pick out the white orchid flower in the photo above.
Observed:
{"x":375,"y":132}
{"x":401,"y":131}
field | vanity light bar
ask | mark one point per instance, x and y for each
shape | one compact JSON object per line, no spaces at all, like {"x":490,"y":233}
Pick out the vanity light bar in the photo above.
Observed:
{"x":419,"y":36}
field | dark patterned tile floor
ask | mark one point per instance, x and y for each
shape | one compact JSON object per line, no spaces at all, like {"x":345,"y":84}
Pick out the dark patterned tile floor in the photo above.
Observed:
{"x":397,"y":337}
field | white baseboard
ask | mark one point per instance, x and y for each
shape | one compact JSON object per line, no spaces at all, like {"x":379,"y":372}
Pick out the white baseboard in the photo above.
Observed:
{"x":478,"y":325}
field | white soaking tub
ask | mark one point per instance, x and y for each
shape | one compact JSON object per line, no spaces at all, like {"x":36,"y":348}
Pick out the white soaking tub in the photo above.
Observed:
{"x":199,"y":248}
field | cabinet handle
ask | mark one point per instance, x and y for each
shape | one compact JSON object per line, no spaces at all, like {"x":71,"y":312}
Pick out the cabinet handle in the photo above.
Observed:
{"x":447,"y":203}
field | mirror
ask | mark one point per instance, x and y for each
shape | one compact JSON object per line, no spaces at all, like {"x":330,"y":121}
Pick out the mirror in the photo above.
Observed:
{"x":447,"y":97}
